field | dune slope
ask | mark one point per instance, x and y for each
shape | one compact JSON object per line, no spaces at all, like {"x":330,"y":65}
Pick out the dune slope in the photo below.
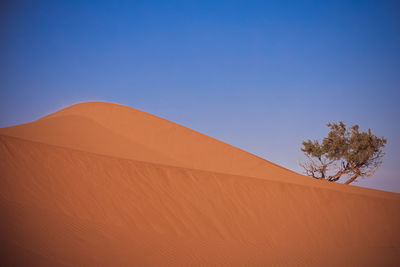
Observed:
{"x":76,"y":208}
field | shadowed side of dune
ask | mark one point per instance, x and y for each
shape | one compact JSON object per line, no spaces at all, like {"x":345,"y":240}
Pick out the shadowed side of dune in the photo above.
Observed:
{"x":78,"y":208}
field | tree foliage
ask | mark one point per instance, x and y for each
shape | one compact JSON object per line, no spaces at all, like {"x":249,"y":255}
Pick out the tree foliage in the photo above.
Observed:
{"x":345,"y":152}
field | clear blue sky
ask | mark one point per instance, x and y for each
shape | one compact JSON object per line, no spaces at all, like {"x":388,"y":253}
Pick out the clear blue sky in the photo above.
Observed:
{"x":260,"y":75}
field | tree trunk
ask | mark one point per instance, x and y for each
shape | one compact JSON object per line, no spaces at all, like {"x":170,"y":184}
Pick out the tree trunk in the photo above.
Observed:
{"x":351,"y":179}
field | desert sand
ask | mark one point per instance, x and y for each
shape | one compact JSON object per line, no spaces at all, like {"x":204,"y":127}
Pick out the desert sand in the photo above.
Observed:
{"x":100,"y":184}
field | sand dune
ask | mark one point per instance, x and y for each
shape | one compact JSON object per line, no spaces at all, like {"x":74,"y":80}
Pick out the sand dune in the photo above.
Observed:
{"x":103,"y":184}
{"x":74,"y":127}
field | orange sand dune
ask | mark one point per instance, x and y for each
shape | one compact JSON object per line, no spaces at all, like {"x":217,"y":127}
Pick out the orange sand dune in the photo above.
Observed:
{"x":186,"y":147}
{"x":84,"y":187}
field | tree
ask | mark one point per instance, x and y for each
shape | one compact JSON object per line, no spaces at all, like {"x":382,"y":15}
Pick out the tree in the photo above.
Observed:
{"x":345,"y":152}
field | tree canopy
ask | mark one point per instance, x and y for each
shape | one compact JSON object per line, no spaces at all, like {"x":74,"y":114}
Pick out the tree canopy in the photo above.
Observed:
{"x":344,"y":153}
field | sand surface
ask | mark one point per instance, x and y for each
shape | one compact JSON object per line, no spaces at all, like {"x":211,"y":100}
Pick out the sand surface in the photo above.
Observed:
{"x":99,"y":184}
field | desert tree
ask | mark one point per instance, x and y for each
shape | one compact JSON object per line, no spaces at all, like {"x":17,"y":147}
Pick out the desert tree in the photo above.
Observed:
{"x":345,"y":153}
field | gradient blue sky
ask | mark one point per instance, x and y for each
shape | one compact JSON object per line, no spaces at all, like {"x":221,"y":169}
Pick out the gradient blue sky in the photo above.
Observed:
{"x":260,"y":75}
